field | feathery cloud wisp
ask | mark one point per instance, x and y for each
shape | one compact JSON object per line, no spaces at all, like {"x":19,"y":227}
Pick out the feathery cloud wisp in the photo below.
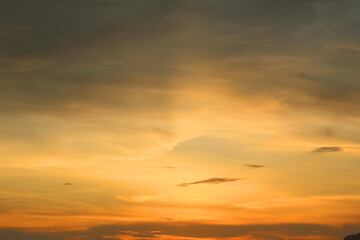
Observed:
{"x":327,"y":149}
{"x":254,"y":166}
{"x":210,"y":181}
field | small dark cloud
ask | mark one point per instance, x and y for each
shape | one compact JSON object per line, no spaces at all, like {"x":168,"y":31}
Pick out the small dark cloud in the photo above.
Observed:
{"x":210,"y":181}
{"x":254,"y":166}
{"x":167,"y":218}
{"x":5,"y":199}
{"x":67,"y":183}
{"x":327,"y":149}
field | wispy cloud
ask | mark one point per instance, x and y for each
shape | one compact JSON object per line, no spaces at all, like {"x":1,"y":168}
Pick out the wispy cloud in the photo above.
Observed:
{"x":254,"y":166}
{"x":299,"y":201}
{"x":210,"y":181}
{"x":327,"y":149}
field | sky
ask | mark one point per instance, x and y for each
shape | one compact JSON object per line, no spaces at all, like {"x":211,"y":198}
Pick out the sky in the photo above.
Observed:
{"x":179,"y":119}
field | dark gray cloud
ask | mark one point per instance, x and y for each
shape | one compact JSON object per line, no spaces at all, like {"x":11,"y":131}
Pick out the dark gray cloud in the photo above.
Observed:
{"x":210,"y":181}
{"x":278,"y":44}
{"x":55,"y":53}
{"x":41,"y":27}
{"x":327,"y":149}
{"x":67,"y":32}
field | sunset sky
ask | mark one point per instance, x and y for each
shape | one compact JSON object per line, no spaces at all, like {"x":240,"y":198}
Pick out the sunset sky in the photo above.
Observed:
{"x":179,"y":119}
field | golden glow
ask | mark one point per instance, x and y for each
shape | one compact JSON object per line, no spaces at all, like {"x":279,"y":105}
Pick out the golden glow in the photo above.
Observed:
{"x":213,"y":120}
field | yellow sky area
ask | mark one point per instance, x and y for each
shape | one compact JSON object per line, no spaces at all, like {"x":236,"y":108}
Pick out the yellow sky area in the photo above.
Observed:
{"x":128,"y":167}
{"x":147,"y":191}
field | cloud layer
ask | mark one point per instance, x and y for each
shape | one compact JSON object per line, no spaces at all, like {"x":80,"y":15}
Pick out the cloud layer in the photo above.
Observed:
{"x":174,"y":230}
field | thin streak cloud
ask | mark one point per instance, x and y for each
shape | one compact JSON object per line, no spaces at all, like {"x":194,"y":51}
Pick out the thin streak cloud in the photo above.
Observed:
{"x":210,"y":181}
{"x":327,"y":149}
{"x":254,"y":166}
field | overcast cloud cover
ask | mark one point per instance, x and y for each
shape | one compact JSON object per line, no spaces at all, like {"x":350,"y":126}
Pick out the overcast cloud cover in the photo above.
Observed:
{"x":89,"y":61}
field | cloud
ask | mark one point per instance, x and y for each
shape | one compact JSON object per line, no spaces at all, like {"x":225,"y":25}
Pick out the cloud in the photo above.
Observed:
{"x":254,"y":166}
{"x":210,"y":181}
{"x":83,"y":65}
{"x":327,"y":149}
{"x":16,"y":235}
{"x":159,"y":230}
{"x":198,"y":230}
